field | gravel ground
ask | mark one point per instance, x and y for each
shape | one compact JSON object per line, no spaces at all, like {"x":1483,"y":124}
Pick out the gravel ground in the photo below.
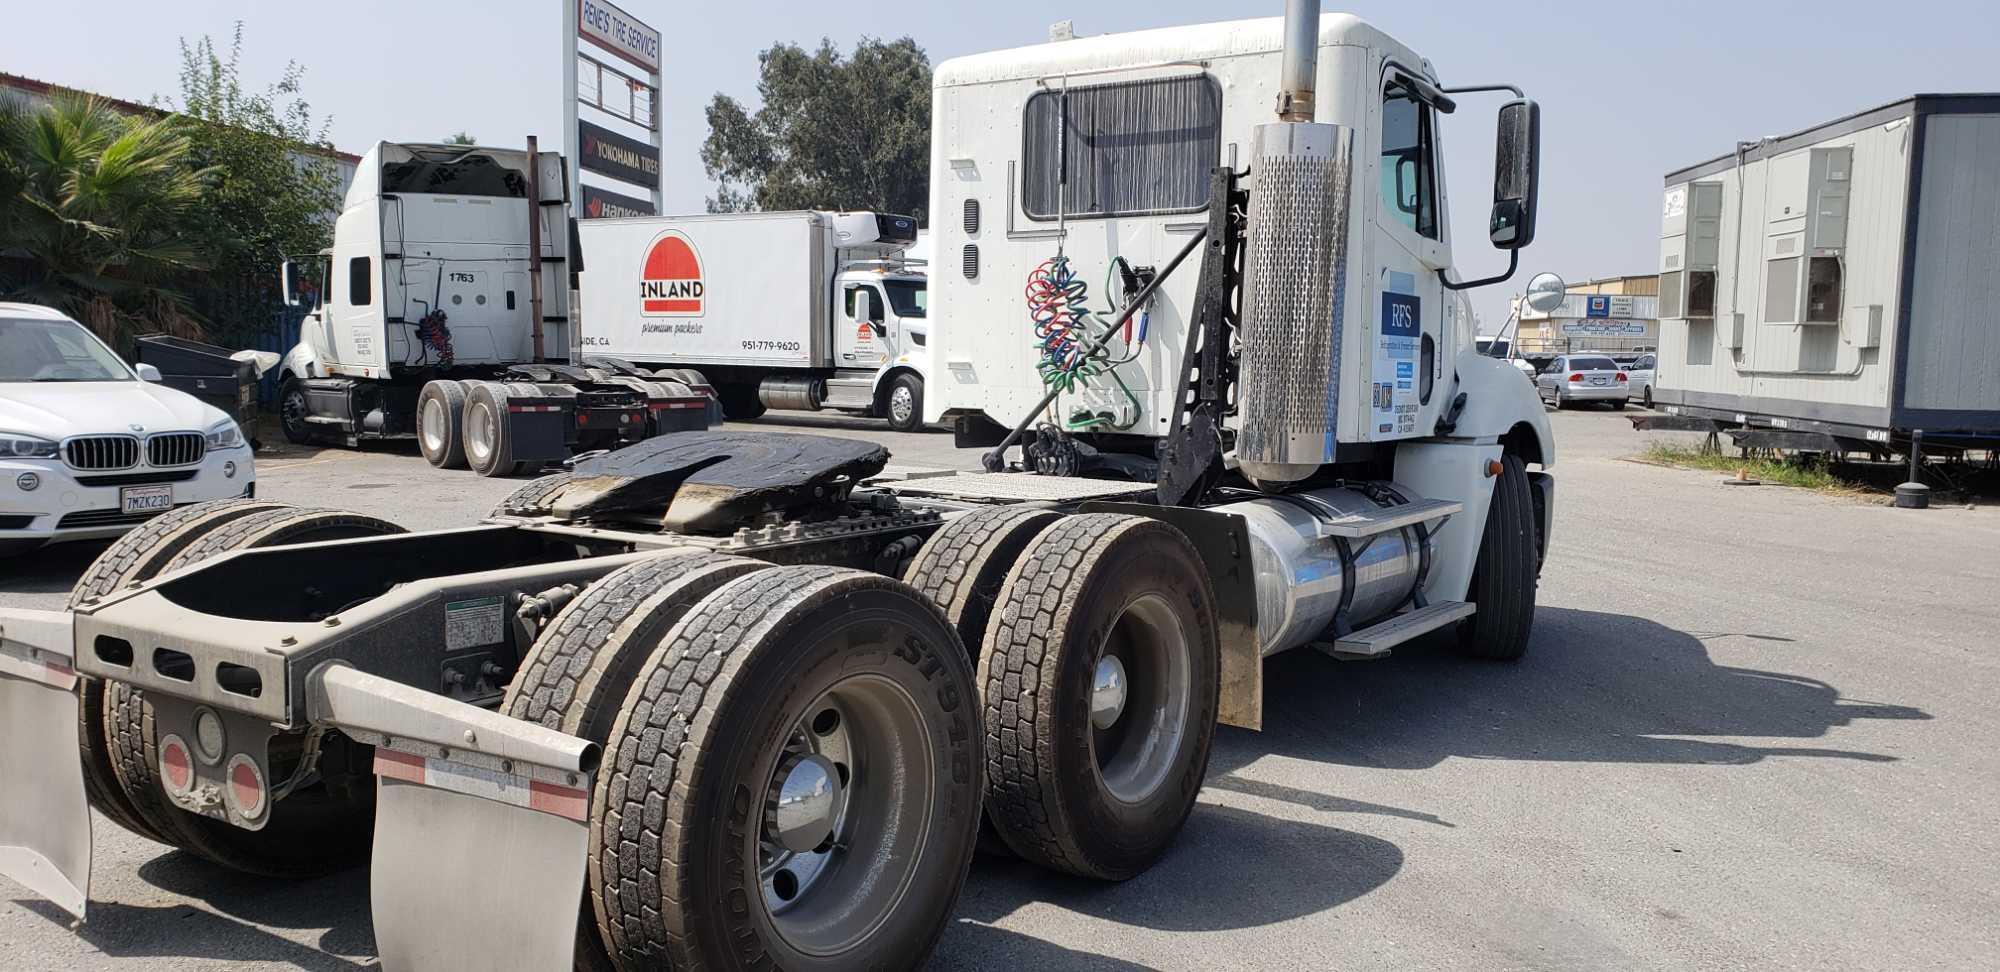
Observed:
{"x":1755,"y":729}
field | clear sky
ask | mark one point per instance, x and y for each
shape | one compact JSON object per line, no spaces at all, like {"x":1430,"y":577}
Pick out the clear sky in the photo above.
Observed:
{"x":1628,"y":91}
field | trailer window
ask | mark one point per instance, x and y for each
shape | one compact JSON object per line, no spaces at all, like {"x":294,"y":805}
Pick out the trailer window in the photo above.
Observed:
{"x":1133,"y":148}
{"x":1409,"y":180}
{"x":358,"y":291}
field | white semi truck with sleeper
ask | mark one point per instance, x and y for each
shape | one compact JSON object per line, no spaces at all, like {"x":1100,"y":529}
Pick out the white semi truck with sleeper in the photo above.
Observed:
{"x":442,"y":312}
{"x":794,"y":310}
{"x":725,"y":700}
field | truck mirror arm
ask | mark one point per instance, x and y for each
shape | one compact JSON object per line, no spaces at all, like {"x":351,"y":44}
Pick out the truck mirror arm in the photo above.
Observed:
{"x":1513,"y":263}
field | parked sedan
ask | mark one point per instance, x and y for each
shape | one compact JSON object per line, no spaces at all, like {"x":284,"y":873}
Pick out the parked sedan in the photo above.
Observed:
{"x":1639,"y":378}
{"x":89,"y":446}
{"x":1576,"y":378}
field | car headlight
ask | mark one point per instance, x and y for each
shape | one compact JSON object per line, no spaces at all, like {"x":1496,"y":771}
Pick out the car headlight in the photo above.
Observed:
{"x":16,"y":446}
{"x":225,"y":436}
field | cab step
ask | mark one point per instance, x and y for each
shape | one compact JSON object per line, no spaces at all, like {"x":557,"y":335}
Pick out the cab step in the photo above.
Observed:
{"x":1384,"y":519}
{"x":1375,"y":640}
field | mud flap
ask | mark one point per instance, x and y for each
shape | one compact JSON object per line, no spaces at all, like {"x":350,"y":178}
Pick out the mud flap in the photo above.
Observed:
{"x":481,"y":832}
{"x":44,"y":815}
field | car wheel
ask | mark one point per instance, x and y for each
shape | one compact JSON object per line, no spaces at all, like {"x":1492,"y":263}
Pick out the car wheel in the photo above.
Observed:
{"x":1647,"y":399}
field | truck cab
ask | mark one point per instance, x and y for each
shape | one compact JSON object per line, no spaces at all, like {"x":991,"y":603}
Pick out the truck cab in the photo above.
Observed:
{"x":883,"y":323}
{"x":428,"y":276}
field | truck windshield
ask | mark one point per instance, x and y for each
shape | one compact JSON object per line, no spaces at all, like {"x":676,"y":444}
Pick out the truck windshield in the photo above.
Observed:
{"x":473,"y":175}
{"x":908,"y":297}
{"x":38,"y":350}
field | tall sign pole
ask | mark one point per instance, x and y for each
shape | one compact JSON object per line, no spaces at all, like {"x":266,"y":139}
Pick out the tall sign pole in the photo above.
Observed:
{"x":611,"y":73}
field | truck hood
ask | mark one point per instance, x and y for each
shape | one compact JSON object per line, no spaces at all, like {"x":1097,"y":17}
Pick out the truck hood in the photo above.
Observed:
{"x":55,"y":410}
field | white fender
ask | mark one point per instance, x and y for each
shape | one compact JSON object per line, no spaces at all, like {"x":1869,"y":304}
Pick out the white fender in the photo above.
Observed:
{"x":1497,"y":399}
{"x":302,"y":362}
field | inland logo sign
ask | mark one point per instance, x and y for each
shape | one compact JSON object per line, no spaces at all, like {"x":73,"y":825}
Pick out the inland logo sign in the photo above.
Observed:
{"x":670,"y":283}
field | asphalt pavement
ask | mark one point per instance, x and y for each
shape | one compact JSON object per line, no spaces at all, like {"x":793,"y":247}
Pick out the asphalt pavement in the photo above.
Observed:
{"x":1756,"y":728}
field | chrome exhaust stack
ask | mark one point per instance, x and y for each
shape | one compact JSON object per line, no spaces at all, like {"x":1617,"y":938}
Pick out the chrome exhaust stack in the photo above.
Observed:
{"x":1294,"y":274}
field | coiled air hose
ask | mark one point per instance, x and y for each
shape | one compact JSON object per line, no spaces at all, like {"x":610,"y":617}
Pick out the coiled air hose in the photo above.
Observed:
{"x":1059,"y":308}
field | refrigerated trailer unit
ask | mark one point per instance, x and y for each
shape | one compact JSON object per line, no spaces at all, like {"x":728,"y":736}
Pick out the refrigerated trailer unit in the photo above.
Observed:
{"x":1836,"y":287}
{"x":797,"y":310}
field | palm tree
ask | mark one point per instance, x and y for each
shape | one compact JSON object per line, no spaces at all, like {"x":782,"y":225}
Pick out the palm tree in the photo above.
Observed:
{"x":91,"y":203}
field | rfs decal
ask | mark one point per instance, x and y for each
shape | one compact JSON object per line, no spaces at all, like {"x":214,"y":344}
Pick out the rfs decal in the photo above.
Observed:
{"x":1401,"y":315}
{"x":670,"y":283}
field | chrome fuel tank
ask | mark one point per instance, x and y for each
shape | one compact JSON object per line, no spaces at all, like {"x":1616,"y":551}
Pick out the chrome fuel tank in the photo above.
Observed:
{"x":1304,"y":574}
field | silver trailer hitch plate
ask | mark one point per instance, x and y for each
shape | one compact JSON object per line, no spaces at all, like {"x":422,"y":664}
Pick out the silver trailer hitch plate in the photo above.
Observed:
{"x":44,"y":816}
{"x":481,"y":826}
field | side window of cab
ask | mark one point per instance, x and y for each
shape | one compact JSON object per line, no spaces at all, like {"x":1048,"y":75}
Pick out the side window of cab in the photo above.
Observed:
{"x":1409,"y":161}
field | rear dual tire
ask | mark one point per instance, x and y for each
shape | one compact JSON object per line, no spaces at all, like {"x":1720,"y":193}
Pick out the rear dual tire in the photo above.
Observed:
{"x":718,"y":683}
{"x":441,"y":423}
{"x":312,"y":830}
{"x":1080,"y":778}
{"x":488,"y":436}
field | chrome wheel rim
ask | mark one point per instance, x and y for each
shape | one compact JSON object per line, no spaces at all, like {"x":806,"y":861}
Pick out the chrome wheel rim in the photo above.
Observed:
{"x":479,"y":431}
{"x":901,"y":404}
{"x":1140,"y":696}
{"x":294,"y":409}
{"x":434,"y":426}
{"x":846,"y":815}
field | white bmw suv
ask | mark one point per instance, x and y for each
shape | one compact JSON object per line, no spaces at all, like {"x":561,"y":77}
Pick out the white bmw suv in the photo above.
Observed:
{"x":89,"y":447}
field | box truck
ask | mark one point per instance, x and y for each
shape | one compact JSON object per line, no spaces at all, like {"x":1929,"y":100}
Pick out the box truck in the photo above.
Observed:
{"x":798,"y":310}
{"x":735,"y":703}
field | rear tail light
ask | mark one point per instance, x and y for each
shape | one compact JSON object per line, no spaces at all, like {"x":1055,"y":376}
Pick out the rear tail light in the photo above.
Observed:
{"x":1621,"y":376}
{"x":1576,"y":377}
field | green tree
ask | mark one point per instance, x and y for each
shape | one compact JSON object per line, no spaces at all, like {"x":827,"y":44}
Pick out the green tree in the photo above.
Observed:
{"x":270,"y":184}
{"x":833,"y":132}
{"x":462,"y":138}
{"x":95,"y":203}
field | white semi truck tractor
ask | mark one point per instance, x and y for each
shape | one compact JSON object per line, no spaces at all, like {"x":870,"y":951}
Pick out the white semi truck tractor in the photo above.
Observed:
{"x":442,"y":312}
{"x":729,"y":700}
{"x":791,"y":310}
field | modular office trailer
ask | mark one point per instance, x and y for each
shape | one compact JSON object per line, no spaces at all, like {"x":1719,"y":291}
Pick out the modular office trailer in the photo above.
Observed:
{"x":1844,"y":279}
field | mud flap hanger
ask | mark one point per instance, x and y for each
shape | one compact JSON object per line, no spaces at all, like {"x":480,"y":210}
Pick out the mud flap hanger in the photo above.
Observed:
{"x":44,"y":815}
{"x":481,"y":825}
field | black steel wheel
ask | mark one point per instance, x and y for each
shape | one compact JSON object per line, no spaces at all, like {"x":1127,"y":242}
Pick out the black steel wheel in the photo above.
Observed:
{"x":292,"y":411}
{"x":1100,"y":677}
{"x":793,"y":782}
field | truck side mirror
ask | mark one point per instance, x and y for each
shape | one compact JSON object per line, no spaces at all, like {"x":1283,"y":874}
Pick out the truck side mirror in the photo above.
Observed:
{"x":288,"y":277}
{"x":1516,"y":170}
{"x":864,"y":305}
